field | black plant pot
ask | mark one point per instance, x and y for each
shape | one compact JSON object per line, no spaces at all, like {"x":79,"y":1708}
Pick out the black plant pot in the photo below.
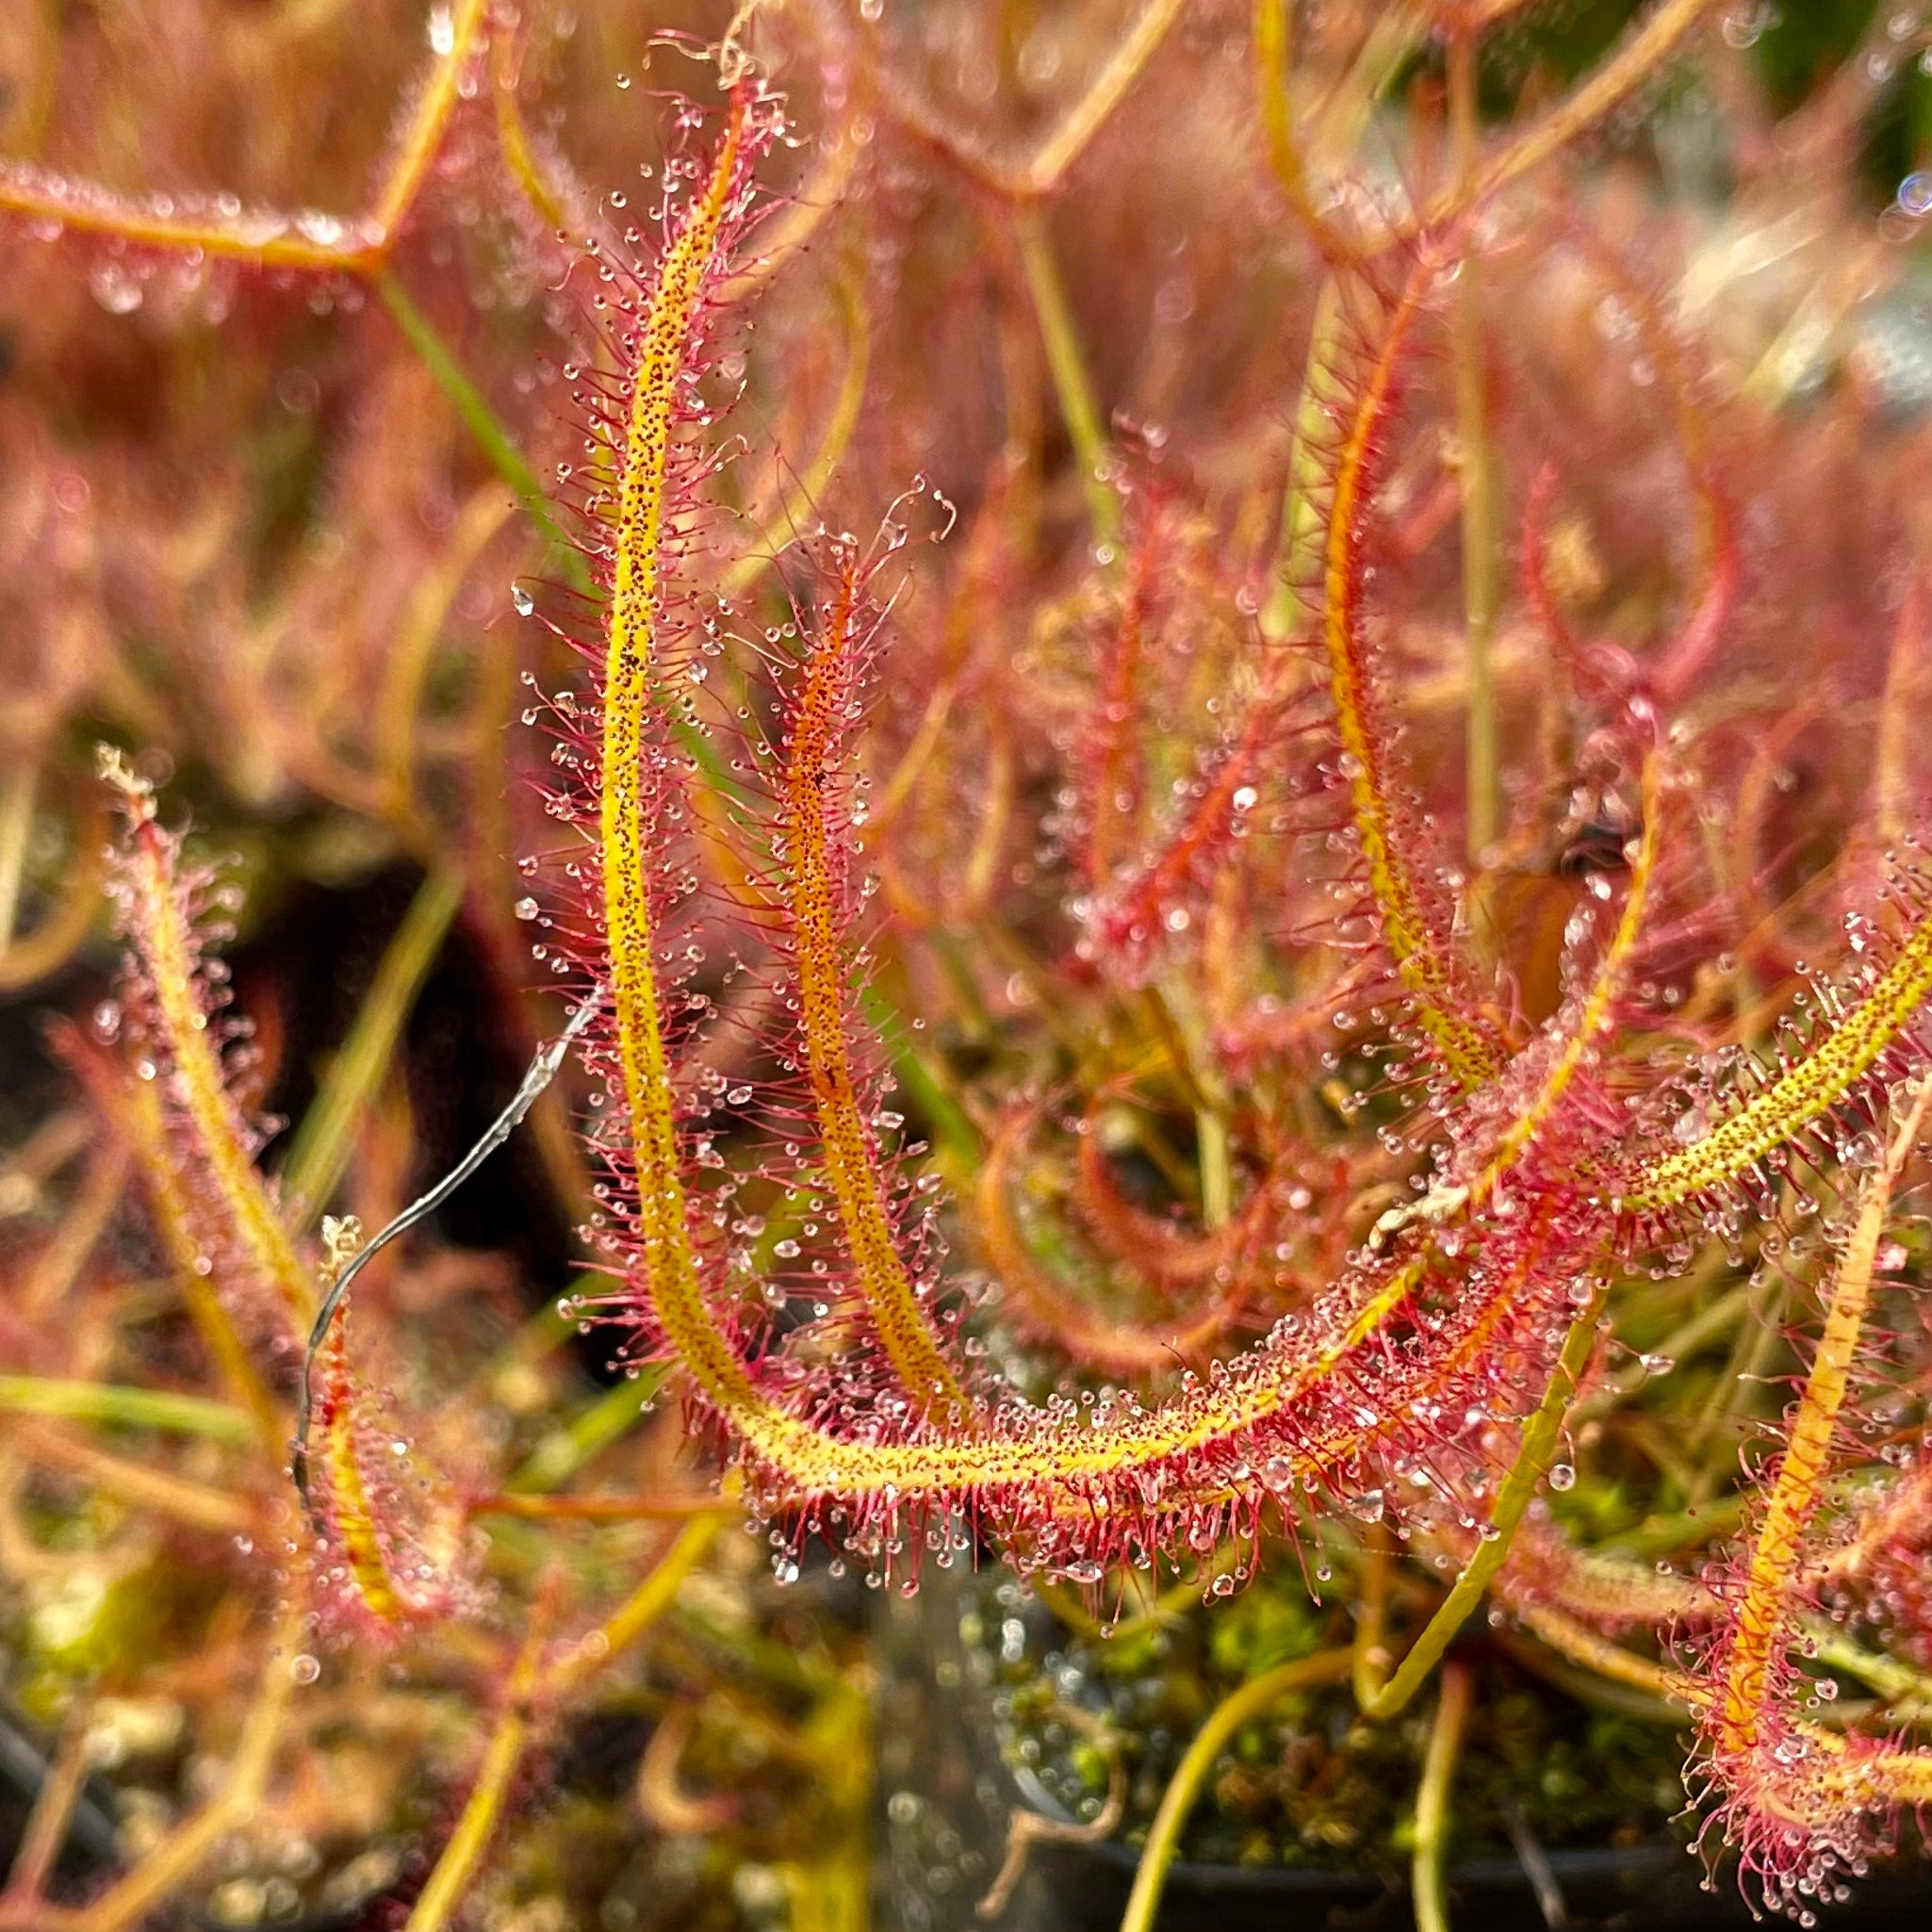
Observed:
{"x":1644,"y":1889}
{"x":87,"y":1852}
{"x":90,"y":1857}
{"x":947,"y":1795}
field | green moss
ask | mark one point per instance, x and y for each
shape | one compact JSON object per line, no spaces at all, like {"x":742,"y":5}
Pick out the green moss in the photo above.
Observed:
{"x":1310,"y":1785}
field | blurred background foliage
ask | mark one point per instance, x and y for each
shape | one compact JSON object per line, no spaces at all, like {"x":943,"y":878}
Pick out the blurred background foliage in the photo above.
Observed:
{"x":260,"y":525}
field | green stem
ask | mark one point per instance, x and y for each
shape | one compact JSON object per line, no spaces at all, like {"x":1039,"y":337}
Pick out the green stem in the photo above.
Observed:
{"x":651,"y":1598}
{"x":1540,"y":1437}
{"x":1217,"y":1169}
{"x":563,"y":1451}
{"x":129,"y":1408}
{"x":1715,"y":1318}
{"x":951,"y":1126}
{"x":1433,"y":1799}
{"x":323,"y":1140}
{"x":1709,"y":1446}
{"x":483,"y":423}
{"x":538,"y":1337}
{"x":1069,"y":367}
{"x":1899,"y":1684}
{"x":1661,"y":1535}
{"x":1250,"y":1701}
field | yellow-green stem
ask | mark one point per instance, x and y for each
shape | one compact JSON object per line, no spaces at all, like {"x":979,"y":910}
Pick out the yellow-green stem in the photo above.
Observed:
{"x":668,"y":1264}
{"x":1433,"y":1799}
{"x":462,"y":1856}
{"x":1130,"y":56}
{"x":1371,"y":1654}
{"x":327,"y":1133}
{"x":1183,"y":1788}
{"x":1541,"y":1435}
{"x":1072,"y":384}
{"x":637,"y":1612}
{"x":601,"y":1422}
{"x":125,"y":1408}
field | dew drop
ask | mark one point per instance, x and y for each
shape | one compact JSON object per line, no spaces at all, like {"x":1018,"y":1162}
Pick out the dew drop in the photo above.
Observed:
{"x":118,"y":290}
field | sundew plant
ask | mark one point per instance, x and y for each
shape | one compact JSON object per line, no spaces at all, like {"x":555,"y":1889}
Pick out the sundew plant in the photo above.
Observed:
{"x":1186,"y":735}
